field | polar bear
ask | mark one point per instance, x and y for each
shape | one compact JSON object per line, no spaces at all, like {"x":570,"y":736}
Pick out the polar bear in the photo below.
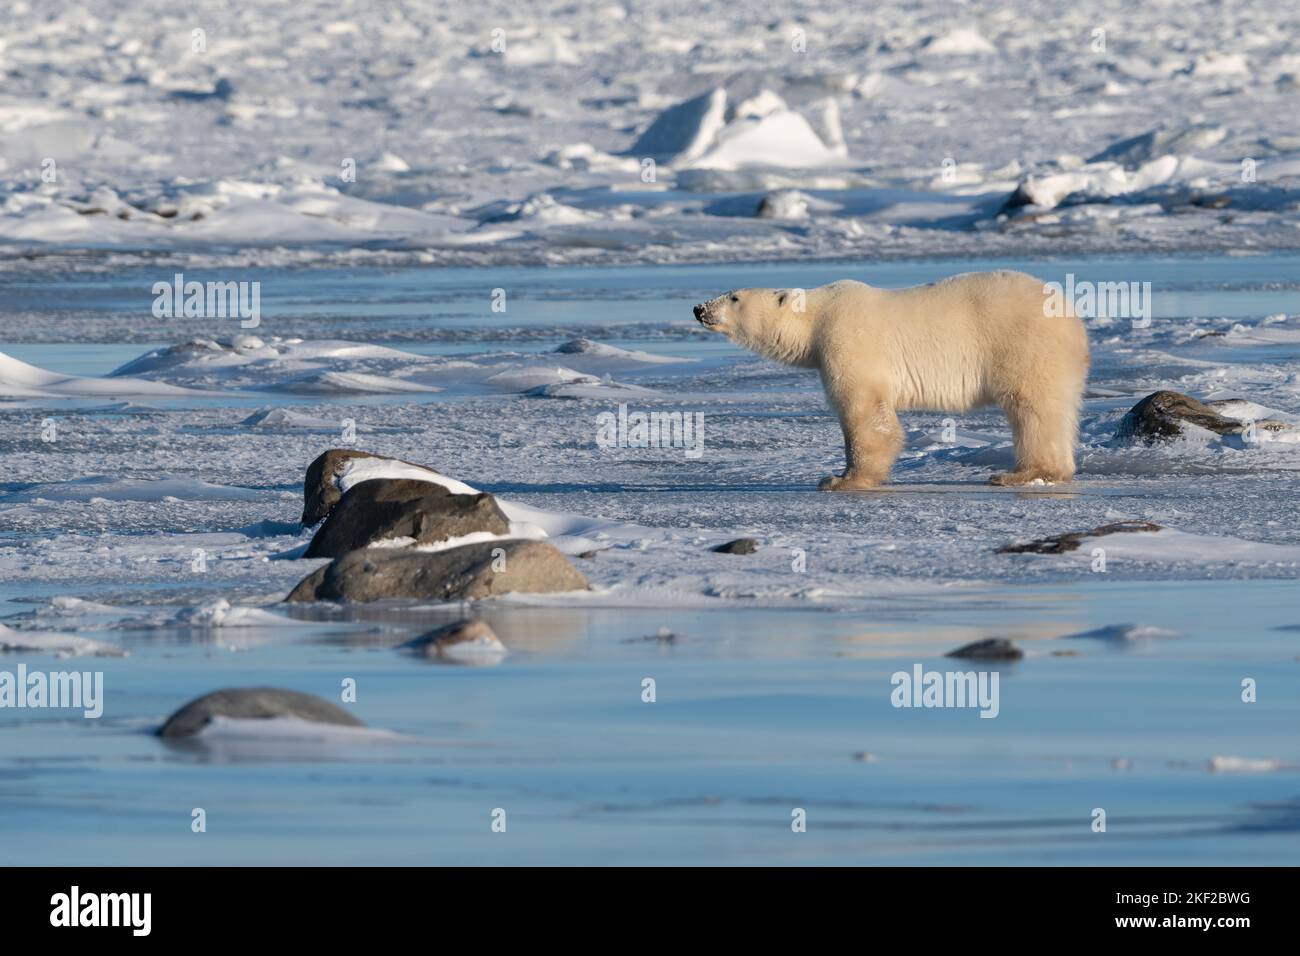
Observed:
{"x":976,"y":339}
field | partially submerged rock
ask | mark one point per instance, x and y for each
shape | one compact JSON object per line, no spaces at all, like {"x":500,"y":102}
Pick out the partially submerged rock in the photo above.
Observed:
{"x":1061,"y":543}
{"x":253,"y":703}
{"x":1165,"y":414}
{"x":989,"y":649}
{"x":468,"y":572}
{"x":462,"y":642}
{"x":739,"y":546}
{"x":402,"y":508}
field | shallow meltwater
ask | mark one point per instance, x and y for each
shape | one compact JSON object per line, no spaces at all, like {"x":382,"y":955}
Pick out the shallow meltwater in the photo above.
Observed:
{"x":672,"y":735}
{"x":693,"y":703}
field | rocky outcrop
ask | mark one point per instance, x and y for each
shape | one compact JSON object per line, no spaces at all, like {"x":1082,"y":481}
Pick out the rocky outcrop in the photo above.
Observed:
{"x":989,"y":649}
{"x":739,"y":546}
{"x":1070,"y":541}
{"x":402,"y":508}
{"x":468,"y":572}
{"x":253,"y":703}
{"x":320,"y":489}
{"x":1165,"y":414}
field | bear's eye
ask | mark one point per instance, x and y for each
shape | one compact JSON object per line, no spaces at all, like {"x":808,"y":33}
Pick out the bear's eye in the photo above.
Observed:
{"x":735,"y":298}
{"x":780,"y":299}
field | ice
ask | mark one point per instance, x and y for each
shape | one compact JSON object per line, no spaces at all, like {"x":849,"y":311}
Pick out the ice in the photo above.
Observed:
{"x":1136,"y":150}
{"x":221,"y":614}
{"x":20,"y":380}
{"x":963,"y":41}
{"x":1221,"y":763}
{"x":382,"y":172}
{"x":285,"y":418}
{"x":684,"y":131}
{"x":608,"y":356}
{"x":236,"y":734}
{"x":60,"y":645}
{"x":119,"y":488}
{"x":488,"y":149}
{"x":351,"y":383}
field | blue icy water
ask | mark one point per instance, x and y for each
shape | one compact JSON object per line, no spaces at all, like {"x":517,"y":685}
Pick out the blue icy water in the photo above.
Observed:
{"x":759,"y":711}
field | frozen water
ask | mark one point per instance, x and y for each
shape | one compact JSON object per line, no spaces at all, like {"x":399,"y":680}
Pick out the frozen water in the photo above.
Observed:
{"x":467,"y":255}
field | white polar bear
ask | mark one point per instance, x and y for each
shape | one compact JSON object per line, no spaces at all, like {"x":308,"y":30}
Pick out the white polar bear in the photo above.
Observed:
{"x":977,"y":339}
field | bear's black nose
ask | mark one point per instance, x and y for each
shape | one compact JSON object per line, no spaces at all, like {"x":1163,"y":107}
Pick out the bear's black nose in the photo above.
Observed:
{"x":699,"y":311}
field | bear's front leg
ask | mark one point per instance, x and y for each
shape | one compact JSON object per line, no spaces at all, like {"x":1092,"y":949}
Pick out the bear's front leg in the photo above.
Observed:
{"x":872,"y":440}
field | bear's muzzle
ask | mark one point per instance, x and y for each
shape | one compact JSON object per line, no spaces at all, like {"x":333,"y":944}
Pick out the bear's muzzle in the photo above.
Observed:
{"x":704,"y":315}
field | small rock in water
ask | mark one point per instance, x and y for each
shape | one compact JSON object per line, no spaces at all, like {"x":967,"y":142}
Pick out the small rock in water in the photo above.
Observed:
{"x":1125,"y":632}
{"x":989,"y":649}
{"x":253,"y":703}
{"x":662,"y":636}
{"x":739,"y":546}
{"x":461,"y":642}
{"x":1061,"y":543}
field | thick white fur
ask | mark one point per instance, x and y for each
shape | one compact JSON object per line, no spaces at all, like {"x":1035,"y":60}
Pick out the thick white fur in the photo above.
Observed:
{"x":982,"y":338}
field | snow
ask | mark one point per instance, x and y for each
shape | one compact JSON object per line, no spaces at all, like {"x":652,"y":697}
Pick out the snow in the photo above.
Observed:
{"x":963,"y":41}
{"x":20,"y":380}
{"x":285,"y":418}
{"x":356,"y":470}
{"x":104,"y":488}
{"x":685,"y":130}
{"x":530,"y":146}
{"x":782,"y":138}
{"x":381,"y":172}
{"x":221,"y":614}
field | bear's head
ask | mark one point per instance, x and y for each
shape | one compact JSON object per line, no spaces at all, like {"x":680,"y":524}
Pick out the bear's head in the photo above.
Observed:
{"x":772,"y":322}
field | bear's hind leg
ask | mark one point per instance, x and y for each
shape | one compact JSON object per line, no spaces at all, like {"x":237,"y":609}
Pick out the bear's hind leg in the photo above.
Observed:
{"x":1044,"y":433}
{"x":872,"y":440}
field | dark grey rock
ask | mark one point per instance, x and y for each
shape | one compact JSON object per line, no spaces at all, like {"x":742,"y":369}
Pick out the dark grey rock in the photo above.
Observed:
{"x":259,"y":703}
{"x":1061,"y":543}
{"x":403,"y":508}
{"x":1163,"y":415}
{"x":739,"y":546}
{"x":461,"y":640}
{"x":468,"y":572}
{"x":320,"y":490}
{"x":989,"y":649}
